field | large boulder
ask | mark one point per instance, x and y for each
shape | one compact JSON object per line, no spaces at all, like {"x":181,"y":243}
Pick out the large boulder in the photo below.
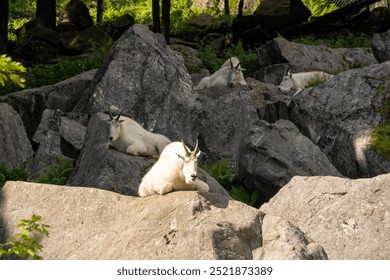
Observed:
{"x":58,"y":136}
{"x":226,"y":114}
{"x":349,"y":218}
{"x":144,"y":76}
{"x":303,"y":58}
{"x":76,"y":13}
{"x":271,"y":154}
{"x":101,"y":167}
{"x":87,"y":223}
{"x":339,"y":117}
{"x":31,"y":103}
{"x":15,"y":148}
{"x":380,"y":45}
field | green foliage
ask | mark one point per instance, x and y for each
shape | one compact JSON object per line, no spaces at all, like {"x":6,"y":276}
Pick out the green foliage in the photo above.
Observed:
{"x":381,"y":140}
{"x":224,"y":175}
{"x":24,"y":245}
{"x":319,"y":7}
{"x":350,"y":40}
{"x":57,"y":174}
{"x":314,"y":83}
{"x":9,"y":71}
{"x":18,"y":173}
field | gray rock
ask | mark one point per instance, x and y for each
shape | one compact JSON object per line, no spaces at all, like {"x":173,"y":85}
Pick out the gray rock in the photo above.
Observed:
{"x":15,"y":148}
{"x":339,"y":116}
{"x":87,"y":223}
{"x":142,"y":75}
{"x":226,"y":115}
{"x":284,"y":241}
{"x":191,"y":57}
{"x":31,"y":103}
{"x":280,"y":54}
{"x":57,"y":137}
{"x":271,"y":154}
{"x":101,"y":167}
{"x":380,"y":45}
{"x":349,"y":218}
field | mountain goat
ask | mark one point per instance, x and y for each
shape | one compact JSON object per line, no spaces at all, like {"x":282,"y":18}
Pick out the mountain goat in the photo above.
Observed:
{"x":298,"y":81}
{"x":126,"y":135}
{"x":175,"y":170}
{"x":230,"y":74}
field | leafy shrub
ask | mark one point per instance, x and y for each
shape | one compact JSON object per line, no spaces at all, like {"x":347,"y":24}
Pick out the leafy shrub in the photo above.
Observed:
{"x":314,"y":83}
{"x":381,"y":140}
{"x":18,"y":173}
{"x":10,"y":70}
{"x":24,"y":245}
{"x":350,"y":40}
{"x":57,"y":174}
{"x":224,"y":175}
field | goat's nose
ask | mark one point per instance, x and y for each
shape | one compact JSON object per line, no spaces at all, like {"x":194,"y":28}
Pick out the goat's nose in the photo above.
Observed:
{"x":194,"y":176}
{"x":231,"y":85}
{"x":110,"y":137}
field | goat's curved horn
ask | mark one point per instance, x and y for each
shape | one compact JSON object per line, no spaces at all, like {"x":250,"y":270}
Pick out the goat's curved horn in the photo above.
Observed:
{"x":187,"y":151}
{"x":238,"y":65}
{"x":231,"y":63}
{"x":119,"y":115}
{"x":196,"y":150}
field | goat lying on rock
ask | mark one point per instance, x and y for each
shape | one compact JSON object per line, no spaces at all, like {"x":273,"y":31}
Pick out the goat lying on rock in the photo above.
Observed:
{"x":230,"y":74}
{"x":175,"y":170}
{"x":298,"y":81}
{"x":126,"y":135}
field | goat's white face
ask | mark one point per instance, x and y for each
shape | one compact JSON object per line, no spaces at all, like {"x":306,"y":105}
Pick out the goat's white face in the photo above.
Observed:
{"x":115,"y":127}
{"x":190,"y":166}
{"x":287,"y":83}
{"x":233,"y":72}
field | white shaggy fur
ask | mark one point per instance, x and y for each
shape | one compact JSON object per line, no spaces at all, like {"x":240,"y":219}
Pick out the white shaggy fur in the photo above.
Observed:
{"x":175,"y":170}
{"x":127,"y":136}
{"x":298,"y":81}
{"x":230,"y":74}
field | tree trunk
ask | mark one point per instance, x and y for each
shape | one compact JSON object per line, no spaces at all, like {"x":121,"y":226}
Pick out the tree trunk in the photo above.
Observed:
{"x":166,"y":18}
{"x":156,"y":15}
{"x":46,"y":13}
{"x":3,"y":25}
{"x":99,"y":10}
{"x":240,"y":8}
{"x":226,"y":4}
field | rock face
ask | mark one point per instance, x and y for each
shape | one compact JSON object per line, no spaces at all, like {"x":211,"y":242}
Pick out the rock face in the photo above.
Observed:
{"x":349,"y":218}
{"x":95,"y":224}
{"x":101,"y":167}
{"x":88,"y":223}
{"x":142,"y":75}
{"x":303,"y":58}
{"x":31,"y":103}
{"x":271,"y":154}
{"x":15,"y":147}
{"x":339,"y":116}
{"x":226,"y":115}
{"x":380,"y":46}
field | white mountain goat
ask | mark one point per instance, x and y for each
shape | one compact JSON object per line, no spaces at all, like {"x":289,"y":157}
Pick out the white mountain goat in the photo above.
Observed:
{"x":230,"y":74}
{"x":126,"y":135}
{"x":298,"y":81}
{"x":175,"y":170}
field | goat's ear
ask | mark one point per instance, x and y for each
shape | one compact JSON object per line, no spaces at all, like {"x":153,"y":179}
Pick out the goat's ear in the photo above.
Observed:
{"x":289,"y":74}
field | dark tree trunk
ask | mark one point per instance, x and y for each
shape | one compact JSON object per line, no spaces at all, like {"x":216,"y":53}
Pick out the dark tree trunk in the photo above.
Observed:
{"x":3,"y":25}
{"x":166,"y":18}
{"x":156,"y":15}
{"x":99,"y":10}
{"x":240,"y":7}
{"x":227,"y":10}
{"x":46,"y":13}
